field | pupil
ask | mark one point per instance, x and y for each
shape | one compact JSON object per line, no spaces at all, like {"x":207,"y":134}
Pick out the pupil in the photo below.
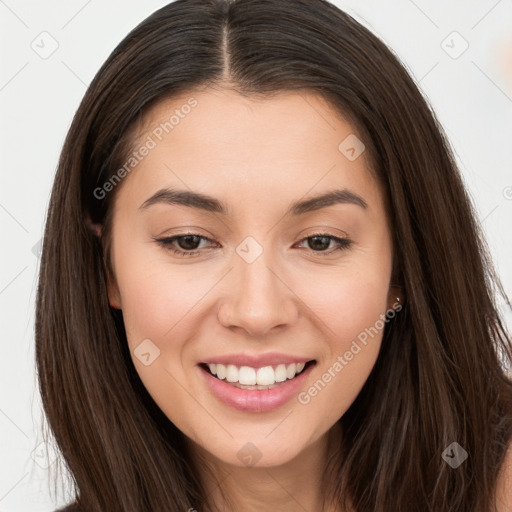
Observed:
{"x":322,"y":245}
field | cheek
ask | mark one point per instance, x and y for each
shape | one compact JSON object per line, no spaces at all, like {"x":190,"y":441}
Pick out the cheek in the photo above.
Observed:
{"x":348,"y":301}
{"x":157,"y":297}
{"x":352,"y":310}
{"x":158,"y":302}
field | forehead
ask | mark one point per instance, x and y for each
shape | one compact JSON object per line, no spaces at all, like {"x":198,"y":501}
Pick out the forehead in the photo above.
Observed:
{"x":226,"y":119}
{"x":226,"y":144}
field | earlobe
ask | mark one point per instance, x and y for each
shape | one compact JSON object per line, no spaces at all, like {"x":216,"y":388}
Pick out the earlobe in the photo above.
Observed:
{"x":114,"y":297}
{"x":395,"y":297}
{"x":94,"y":227}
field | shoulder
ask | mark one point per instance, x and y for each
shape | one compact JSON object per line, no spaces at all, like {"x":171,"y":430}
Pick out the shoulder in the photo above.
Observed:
{"x":504,"y":484}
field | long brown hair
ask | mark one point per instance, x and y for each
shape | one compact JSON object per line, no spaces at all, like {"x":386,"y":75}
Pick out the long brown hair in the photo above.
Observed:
{"x":439,"y":377}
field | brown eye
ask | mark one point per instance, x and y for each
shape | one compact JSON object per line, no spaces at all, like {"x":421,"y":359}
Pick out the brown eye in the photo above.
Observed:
{"x":319,"y":243}
{"x":188,"y":242}
{"x":184,"y":245}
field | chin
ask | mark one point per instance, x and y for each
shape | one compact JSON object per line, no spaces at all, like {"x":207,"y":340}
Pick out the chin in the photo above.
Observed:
{"x":260,"y":452}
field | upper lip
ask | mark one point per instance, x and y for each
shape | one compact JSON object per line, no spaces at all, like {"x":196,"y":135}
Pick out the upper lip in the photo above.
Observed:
{"x":256,"y":361}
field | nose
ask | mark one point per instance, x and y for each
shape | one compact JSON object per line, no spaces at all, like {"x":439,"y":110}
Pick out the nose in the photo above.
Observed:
{"x":257,"y":299}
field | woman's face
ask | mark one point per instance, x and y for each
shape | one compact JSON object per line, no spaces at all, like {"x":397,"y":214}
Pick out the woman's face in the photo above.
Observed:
{"x":275,"y":279}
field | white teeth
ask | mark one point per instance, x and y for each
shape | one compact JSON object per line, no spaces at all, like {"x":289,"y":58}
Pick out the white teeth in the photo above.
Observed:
{"x":232,"y":373}
{"x":221,"y":371}
{"x":290,"y":370}
{"x":265,"y":376}
{"x":247,"y":376}
{"x":280,"y":373}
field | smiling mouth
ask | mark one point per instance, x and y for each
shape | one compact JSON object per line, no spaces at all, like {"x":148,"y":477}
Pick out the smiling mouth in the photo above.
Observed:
{"x":246,"y":377}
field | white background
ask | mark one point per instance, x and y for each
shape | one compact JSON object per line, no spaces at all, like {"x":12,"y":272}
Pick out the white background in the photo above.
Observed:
{"x":471,"y":94}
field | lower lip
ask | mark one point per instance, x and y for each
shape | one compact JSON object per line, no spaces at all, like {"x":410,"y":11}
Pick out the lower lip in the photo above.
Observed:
{"x":253,"y":400}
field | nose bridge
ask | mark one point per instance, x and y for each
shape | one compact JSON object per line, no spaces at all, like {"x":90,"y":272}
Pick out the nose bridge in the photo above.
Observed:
{"x":257,"y":300}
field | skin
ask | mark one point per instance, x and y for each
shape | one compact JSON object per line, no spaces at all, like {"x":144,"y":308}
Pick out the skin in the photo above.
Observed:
{"x":257,"y":156}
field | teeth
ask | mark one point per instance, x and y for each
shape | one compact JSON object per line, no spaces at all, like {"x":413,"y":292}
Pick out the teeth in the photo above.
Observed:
{"x":221,"y":371}
{"x":231,"y":373}
{"x":290,"y":371}
{"x":246,"y":376}
{"x":256,"y":377}
{"x":280,"y":373}
{"x":265,"y":376}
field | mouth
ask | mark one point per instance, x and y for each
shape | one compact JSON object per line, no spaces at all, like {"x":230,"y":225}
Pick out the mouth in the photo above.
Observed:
{"x":265,"y":377}
{"x":256,"y":389}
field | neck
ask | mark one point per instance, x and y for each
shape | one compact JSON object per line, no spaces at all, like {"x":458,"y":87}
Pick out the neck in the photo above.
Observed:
{"x":294,"y":485}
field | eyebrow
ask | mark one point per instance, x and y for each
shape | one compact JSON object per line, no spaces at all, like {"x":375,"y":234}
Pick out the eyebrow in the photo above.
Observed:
{"x":213,"y":205}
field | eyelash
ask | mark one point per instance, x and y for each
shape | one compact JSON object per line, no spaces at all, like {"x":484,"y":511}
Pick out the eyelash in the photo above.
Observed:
{"x":343,"y":243}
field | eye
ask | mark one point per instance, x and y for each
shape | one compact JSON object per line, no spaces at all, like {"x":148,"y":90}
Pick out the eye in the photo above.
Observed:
{"x":319,"y":242}
{"x":188,"y":243}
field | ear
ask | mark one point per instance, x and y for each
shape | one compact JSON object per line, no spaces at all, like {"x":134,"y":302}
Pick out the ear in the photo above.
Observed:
{"x":94,"y":227}
{"x":114,"y":296}
{"x":395,"y":296}
{"x":396,"y":292}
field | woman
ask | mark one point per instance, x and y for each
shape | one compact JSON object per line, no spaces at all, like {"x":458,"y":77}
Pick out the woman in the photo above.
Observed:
{"x":263,"y":285}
